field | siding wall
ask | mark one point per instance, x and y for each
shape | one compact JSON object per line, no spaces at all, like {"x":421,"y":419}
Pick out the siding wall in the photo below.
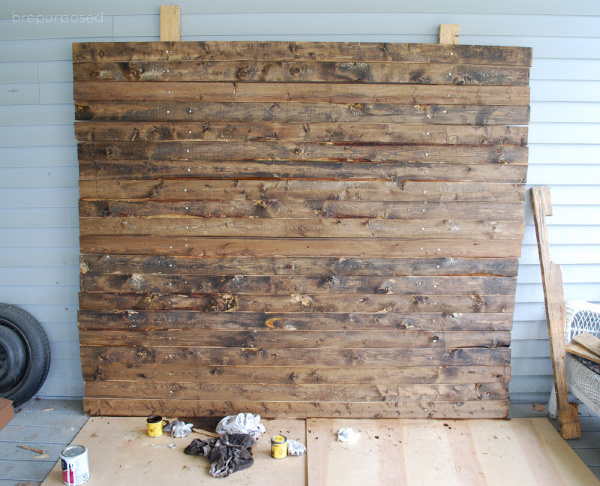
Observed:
{"x":38,"y":161}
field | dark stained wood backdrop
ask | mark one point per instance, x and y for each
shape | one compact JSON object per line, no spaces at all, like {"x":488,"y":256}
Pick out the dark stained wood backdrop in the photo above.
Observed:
{"x":299,"y":229}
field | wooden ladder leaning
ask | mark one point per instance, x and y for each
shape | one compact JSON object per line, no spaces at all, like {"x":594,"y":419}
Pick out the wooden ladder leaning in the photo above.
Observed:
{"x":568,"y":415}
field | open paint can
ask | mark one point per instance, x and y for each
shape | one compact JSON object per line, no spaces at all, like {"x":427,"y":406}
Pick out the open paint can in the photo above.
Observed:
{"x":279,"y":447}
{"x":75,"y":465}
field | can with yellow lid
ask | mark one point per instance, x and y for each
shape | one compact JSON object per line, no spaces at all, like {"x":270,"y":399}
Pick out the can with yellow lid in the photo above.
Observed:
{"x":278,"y":447}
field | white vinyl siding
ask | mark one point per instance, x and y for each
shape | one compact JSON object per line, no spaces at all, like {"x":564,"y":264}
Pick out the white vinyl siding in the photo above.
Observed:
{"x":38,"y":157}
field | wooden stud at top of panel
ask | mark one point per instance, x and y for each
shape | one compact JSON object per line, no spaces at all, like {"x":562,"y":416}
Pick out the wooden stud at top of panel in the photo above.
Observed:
{"x":301,"y":51}
{"x":170,"y":23}
{"x":449,"y":34}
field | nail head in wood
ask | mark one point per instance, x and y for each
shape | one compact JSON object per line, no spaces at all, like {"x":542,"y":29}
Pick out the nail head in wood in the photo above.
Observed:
{"x":170,"y":23}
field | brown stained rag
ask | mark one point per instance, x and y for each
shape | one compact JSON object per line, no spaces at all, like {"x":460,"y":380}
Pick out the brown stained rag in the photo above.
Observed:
{"x":227,"y":454}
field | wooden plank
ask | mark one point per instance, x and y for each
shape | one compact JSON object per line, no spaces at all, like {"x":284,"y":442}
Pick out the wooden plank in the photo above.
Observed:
{"x":121,"y":447}
{"x":589,"y":342}
{"x":303,"y":71}
{"x":582,"y":352}
{"x":418,"y":191}
{"x":198,"y":408}
{"x":324,"y":284}
{"x":300,"y":132}
{"x":396,"y":243}
{"x":306,"y":228}
{"x":298,"y":339}
{"x":456,"y":453}
{"x":240,"y":321}
{"x":387,"y":376}
{"x":323,"y":394}
{"x":367,"y":266}
{"x":289,"y":208}
{"x":298,"y":302}
{"x":178,"y":356}
{"x":170,"y":26}
{"x":168,"y":111}
{"x":555,"y":312}
{"x":284,"y":151}
{"x":564,"y":459}
{"x":319,"y":51}
{"x":276,"y":170}
{"x":86,"y":91}
{"x":300,"y":247}
{"x":449,"y":33}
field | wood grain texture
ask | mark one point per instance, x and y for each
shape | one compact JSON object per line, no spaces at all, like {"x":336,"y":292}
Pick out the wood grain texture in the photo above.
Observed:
{"x":554,"y":299}
{"x":270,"y":209}
{"x":300,"y":132}
{"x":299,"y":229}
{"x":281,"y":151}
{"x":299,"y":339}
{"x":301,"y":375}
{"x":201,"y":408}
{"x":589,"y":342}
{"x":331,"y":358}
{"x":214,"y":247}
{"x":198,"y":111}
{"x":346,"y":266}
{"x":332,"y":284}
{"x":320,"y":51}
{"x":253,"y":321}
{"x":302,"y":71}
{"x":304,"y":228}
{"x":250,"y":190}
{"x":207,"y":91}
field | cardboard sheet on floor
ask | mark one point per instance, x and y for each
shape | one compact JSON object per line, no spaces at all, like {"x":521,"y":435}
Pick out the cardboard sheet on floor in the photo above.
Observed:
{"x":450,"y":452}
{"x":120,"y":452}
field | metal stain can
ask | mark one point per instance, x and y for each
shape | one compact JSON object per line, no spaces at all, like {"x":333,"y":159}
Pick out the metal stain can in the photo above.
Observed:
{"x":279,"y":447}
{"x":75,"y":465}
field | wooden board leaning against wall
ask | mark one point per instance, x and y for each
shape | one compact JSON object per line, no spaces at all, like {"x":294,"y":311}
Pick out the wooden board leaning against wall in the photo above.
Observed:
{"x":299,"y":229}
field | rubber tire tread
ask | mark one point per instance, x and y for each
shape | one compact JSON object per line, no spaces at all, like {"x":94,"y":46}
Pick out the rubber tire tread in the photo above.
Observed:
{"x":39,"y":356}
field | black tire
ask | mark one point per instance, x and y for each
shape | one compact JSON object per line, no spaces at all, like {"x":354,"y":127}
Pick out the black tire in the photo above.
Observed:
{"x":24,"y":354}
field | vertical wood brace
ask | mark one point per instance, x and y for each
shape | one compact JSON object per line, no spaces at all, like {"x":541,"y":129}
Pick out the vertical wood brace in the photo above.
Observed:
{"x":170,"y":23}
{"x":568,"y":416}
{"x":449,"y":33}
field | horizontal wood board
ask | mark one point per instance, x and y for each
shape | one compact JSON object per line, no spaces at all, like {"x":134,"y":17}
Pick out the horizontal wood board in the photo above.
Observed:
{"x":299,"y":229}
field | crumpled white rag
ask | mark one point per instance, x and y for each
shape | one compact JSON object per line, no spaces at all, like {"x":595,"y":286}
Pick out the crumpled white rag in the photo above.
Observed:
{"x":242,"y":423}
{"x":347,"y":434}
{"x":179,"y":429}
{"x":295,"y":448}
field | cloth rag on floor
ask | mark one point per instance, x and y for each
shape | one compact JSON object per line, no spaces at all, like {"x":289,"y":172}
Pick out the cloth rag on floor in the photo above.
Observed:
{"x":177,"y":428}
{"x":242,"y":423}
{"x":227,"y":454}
